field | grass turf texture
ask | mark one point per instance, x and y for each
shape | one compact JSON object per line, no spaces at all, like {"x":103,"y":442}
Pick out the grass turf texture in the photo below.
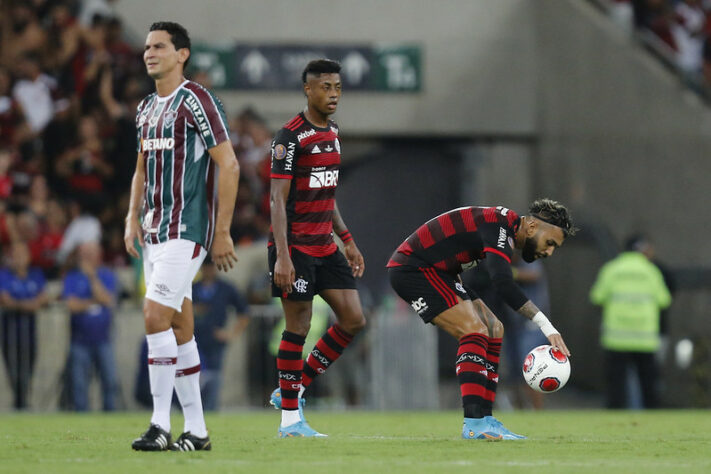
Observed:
{"x":560,"y":441}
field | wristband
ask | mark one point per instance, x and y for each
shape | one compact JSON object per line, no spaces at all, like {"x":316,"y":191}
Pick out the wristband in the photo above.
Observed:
{"x":544,"y":324}
{"x":345,"y":236}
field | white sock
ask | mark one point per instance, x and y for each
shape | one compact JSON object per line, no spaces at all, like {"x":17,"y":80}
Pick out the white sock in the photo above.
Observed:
{"x":162,"y":355}
{"x":289,"y":417}
{"x":187,"y":385}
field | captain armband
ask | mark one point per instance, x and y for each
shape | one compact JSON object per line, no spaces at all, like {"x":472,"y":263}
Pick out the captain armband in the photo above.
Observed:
{"x":544,"y":324}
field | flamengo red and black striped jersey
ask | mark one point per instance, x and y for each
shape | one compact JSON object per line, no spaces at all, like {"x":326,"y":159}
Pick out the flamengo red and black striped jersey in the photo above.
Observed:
{"x":310,"y":156}
{"x":456,"y":240}
{"x":174,"y":136}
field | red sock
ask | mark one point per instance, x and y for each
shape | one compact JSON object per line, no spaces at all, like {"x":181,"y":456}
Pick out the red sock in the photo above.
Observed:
{"x":472,"y":373}
{"x":325,"y":352}
{"x":492,"y":358}
{"x":290,"y":365}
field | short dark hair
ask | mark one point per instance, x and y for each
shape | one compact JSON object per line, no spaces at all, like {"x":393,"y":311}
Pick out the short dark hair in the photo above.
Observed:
{"x":321,"y":66}
{"x":178,"y":35}
{"x":554,"y":213}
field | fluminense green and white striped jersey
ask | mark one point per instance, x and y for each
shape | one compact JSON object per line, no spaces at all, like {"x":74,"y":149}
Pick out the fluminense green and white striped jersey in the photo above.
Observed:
{"x":174,"y":136}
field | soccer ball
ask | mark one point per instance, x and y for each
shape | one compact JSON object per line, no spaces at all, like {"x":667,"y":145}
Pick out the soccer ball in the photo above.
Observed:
{"x":546,"y":369}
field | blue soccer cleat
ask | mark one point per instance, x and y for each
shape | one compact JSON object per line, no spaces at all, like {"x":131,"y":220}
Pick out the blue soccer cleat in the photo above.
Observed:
{"x":275,"y":401}
{"x":299,"y":430}
{"x":480,"y":428}
{"x":500,"y":428}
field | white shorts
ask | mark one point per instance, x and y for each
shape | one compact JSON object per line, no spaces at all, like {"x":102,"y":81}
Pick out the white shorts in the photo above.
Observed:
{"x":169,"y":269}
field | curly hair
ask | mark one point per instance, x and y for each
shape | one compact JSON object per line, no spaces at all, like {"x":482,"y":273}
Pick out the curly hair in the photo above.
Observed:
{"x":554,"y":213}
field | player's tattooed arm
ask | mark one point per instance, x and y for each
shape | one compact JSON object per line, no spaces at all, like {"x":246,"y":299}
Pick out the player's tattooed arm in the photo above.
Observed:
{"x":528,"y":310}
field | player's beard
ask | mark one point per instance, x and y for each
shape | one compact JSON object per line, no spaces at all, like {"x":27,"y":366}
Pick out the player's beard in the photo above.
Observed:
{"x":528,"y":253}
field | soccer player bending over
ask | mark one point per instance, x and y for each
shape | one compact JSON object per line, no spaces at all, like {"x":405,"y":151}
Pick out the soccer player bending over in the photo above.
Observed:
{"x":182,"y":141}
{"x":303,"y":257}
{"x":424,"y":271}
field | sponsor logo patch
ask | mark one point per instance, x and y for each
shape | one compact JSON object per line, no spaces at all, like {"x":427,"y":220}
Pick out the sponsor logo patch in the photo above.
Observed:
{"x":291,"y":149}
{"x":323,"y":179}
{"x":306,"y":134}
{"x":460,"y":288}
{"x":150,"y":144}
{"x":501,"y":243}
{"x":419,"y":305}
{"x":279,"y":152}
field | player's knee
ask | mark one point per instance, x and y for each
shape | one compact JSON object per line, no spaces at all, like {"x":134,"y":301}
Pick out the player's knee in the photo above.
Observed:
{"x":157,"y":318}
{"x":497,"y":329}
{"x":354,"y":325}
{"x":470,"y":326}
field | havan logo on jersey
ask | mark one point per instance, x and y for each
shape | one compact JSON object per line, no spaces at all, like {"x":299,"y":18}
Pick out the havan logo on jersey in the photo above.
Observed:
{"x":323,"y":179}
{"x":501,"y":242}
{"x":150,"y":144}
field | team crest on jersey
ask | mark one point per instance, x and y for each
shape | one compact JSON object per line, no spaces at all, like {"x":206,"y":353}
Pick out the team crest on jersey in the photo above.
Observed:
{"x":169,"y":118}
{"x":279,"y":152}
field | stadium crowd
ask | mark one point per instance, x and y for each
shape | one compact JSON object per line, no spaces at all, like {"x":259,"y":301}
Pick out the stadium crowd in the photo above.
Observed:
{"x":70,"y":83}
{"x":69,"y":87}
{"x":679,"y":30}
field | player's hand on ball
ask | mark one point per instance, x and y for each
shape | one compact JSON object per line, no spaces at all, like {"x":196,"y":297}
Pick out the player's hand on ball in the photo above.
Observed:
{"x":557,"y":341}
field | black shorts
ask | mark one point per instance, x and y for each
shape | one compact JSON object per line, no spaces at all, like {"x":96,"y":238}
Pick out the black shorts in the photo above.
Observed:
{"x":314,"y":274}
{"x":429,"y":291}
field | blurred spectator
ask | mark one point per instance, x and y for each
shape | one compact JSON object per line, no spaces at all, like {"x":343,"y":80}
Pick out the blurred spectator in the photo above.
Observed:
{"x":84,"y":167}
{"x":91,"y":8}
{"x":34,"y":92}
{"x":212,"y":297}
{"x":22,"y":293}
{"x":5,"y":179}
{"x":13,"y":129}
{"x":631,"y":291}
{"x":45,"y":246}
{"x":22,"y":30}
{"x":688,"y":31}
{"x":90,"y":292}
{"x":64,"y":42}
{"x":83,"y":227}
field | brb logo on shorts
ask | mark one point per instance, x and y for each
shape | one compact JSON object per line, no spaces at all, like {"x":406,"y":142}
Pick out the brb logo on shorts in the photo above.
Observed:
{"x":419,"y":305}
{"x":323,"y":179}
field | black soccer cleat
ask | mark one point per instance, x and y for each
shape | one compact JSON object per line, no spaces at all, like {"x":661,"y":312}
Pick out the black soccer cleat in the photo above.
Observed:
{"x":154,"y":439}
{"x":189,"y":442}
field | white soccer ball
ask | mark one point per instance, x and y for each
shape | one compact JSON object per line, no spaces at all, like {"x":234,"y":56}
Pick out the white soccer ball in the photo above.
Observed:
{"x":546,"y":369}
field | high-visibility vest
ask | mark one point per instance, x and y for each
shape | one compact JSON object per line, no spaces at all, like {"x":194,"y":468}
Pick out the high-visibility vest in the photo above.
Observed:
{"x":631,"y":291}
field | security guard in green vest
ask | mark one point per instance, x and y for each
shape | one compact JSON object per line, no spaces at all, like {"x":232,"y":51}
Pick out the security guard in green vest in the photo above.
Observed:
{"x":632,"y":292}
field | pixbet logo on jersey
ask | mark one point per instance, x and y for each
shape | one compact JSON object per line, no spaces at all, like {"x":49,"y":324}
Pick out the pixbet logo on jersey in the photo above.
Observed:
{"x":150,"y":144}
{"x":306,"y":134}
{"x":323,"y":179}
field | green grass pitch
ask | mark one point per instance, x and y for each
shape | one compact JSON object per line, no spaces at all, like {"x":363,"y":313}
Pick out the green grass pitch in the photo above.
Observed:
{"x":391,"y":442}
